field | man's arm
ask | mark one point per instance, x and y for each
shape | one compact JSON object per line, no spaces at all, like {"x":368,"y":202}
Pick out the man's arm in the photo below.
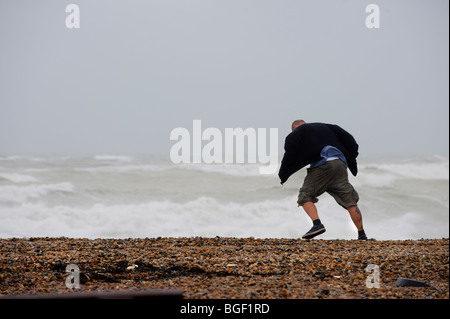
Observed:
{"x":289,"y":161}
{"x":351,"y":147}
{"x":347,"y":140}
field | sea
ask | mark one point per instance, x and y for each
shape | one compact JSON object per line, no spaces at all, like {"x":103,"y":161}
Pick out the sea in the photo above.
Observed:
{"x":116,"y":196}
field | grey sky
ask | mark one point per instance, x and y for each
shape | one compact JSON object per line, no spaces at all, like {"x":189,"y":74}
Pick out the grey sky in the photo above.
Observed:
{"x":135,"y":70}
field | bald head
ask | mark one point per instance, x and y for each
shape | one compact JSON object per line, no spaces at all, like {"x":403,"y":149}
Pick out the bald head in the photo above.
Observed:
{"x":297,"y":123}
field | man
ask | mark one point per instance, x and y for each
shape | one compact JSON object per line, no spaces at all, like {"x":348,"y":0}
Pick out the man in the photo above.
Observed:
{"x":329,"y":150}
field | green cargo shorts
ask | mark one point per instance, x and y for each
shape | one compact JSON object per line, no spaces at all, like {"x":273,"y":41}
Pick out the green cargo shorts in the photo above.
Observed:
{"x":331,"y":177}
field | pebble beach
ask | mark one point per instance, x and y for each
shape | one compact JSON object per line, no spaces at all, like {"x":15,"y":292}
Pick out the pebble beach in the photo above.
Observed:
{"x":227,"y":268}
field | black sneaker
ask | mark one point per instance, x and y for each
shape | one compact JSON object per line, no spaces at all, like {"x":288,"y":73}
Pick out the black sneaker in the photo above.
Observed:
{"x":314,"y":231}
{"x":362,"y":237}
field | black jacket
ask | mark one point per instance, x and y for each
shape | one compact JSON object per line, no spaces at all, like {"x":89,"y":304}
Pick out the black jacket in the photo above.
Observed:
{"x":304,"y":144}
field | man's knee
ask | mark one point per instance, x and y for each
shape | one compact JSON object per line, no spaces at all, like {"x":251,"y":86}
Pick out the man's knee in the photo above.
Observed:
{"x":305,"y":195}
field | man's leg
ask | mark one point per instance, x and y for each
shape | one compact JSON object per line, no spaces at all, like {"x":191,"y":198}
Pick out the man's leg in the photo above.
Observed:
{"x":317,"y":228}
{"x":311,"y":210}
{"x":346,"y":196}
{"x":313,"y":186}
{"x":356,"y":216}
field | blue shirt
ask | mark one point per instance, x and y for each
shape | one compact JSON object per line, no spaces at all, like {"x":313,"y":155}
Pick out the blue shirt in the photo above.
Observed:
{"x":329,"y":153}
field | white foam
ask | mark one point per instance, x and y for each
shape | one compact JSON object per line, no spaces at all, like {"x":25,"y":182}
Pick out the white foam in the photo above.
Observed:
{"x":238,"y":170}
{"x":225,"y":169}
{"x":119,"y":158}
{"x":10,"y":158}
{"x":124,"y":168}
{"x":207,"y":217}
{"x":201,"y":217}
{"x":427,"y":168}
{"x":373,"y":179}
{"x":18,"y":178}
{"x":157,"y":198}
{"x":20,"y":194}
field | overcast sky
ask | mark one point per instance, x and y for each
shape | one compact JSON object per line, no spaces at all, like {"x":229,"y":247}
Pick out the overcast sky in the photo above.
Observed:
{"x":135,"y":70}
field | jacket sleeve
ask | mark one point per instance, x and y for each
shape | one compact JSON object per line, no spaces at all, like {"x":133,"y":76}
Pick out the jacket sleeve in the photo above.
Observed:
{"x":347,"y":140}
{"x":351,"y":147}
{"x":289,"y":163}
